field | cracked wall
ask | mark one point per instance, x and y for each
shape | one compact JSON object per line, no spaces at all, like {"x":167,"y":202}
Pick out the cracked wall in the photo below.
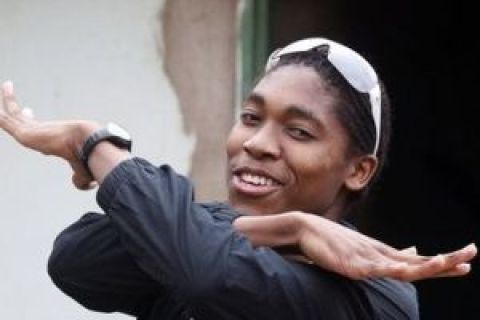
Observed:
{"x":199,"y":44}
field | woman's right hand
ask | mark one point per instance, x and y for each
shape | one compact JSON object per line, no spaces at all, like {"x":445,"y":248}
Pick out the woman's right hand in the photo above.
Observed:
{"x":354,"y":255}
{"x":347,"y":252}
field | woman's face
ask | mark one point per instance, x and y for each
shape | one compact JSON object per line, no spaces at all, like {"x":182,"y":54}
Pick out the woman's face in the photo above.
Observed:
{"x":287,"y":150}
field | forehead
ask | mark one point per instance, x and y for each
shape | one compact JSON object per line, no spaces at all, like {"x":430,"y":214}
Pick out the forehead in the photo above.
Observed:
{"x":296,"y":85}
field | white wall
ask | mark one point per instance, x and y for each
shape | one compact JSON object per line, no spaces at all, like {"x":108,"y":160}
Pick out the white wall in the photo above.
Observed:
{"x":74,"y":59}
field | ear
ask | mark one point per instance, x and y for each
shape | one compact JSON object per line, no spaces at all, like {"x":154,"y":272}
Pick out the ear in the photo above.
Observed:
{"x":360,"y":172}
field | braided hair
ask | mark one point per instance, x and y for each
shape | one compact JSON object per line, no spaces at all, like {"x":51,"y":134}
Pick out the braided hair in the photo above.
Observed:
{"x":352,"y":109}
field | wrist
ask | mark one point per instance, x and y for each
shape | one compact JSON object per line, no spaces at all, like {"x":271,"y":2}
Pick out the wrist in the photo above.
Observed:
{"x":81,"y":131}
{"x":296,"y":226}
{"x":102,"y":148}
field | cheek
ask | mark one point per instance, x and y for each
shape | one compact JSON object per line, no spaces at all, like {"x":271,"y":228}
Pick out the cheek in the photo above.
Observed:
{"x":306,"y":158}
{"x":315,"y":166}
{"x":235,"y":141}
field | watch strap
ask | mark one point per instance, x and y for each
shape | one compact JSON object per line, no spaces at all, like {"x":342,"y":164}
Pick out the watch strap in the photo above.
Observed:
{"x":95,"y":138}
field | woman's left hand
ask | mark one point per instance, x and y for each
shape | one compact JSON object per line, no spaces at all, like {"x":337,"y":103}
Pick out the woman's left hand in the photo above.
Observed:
{"x":58,"y":138}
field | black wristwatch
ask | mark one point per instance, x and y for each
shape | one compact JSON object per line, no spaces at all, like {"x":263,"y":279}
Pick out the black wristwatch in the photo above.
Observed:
{"x":112,"y":133}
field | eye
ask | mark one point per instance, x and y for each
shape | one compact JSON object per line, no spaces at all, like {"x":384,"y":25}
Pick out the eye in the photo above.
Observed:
{"x":300,"y":134}
{"x":249,"y":118}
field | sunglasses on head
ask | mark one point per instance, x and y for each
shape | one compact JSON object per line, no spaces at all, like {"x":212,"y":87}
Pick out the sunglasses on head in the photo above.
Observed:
{"x":352,"y":66}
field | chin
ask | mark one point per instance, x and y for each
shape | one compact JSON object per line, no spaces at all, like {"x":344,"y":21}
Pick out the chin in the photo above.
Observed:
{"x":254,"y":207}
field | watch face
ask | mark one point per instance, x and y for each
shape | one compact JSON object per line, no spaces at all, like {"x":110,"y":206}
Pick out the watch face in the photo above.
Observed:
{"x":118,"y":131}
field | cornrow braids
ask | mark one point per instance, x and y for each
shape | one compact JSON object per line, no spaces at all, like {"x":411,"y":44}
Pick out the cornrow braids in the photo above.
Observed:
{"x":353,"y":111}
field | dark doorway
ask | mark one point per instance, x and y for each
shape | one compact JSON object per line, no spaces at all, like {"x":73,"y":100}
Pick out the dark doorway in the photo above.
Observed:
{"x":430,"y":194}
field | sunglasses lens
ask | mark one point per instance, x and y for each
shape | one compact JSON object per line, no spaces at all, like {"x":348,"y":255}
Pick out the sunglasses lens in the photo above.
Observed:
{"x":352,"y":66}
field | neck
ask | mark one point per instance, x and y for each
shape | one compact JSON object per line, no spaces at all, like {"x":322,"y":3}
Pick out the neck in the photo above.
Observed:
{"x":336,"y":210}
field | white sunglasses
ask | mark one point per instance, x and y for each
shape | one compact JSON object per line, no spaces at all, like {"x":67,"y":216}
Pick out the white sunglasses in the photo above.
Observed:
{"x":352,"y":66}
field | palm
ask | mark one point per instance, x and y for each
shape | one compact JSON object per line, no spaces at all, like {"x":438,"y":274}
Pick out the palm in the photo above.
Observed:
{"x":57,"y":138}
{"x":354,"y":255}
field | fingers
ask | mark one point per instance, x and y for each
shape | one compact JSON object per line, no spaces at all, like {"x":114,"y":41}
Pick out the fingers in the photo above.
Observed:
{"x":27,"y":112}
{"x":457,"y":271}
{"x":425,"y":270}
{"x":402,"y":271}
{"x":7,"y":90}
{"x":374,"y":259}
{"x":406,"y":265}
{"x":82,"y":182}
{"x":11,"y":116}
{"x":451,"y":265}
{"x":9,"y":103}
{"x":408,"y":255}
{"x":463,"y":255}
{"x":81,"y":179}
{"x":51,"y":138}
{"x":454,"y":263}
{"x":410,"y":250}
{"x":364,"y":269}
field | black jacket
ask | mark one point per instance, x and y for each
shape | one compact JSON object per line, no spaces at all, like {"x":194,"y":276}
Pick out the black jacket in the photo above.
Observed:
{"x":158,"y":255}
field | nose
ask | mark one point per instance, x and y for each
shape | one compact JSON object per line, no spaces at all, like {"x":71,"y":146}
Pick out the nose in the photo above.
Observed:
{"x":263,"y":144}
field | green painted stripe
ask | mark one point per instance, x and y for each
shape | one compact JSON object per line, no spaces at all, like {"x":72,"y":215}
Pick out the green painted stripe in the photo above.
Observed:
{"x":254,"y":41}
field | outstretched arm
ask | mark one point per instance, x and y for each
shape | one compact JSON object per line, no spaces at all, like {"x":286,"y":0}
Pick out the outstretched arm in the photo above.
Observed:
{"x":326,"y":243}
{"x":345,"y":251}
{"x":59,"y":138}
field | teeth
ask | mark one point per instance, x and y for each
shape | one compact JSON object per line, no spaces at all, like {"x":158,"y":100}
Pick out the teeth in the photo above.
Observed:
{"x":256,"y":180}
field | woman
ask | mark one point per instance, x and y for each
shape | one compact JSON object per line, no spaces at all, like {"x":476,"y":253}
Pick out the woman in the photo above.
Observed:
{"x":311,"y":139}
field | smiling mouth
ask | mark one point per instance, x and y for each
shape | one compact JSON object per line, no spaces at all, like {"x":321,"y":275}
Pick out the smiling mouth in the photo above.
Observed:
{"x":254,"y":184}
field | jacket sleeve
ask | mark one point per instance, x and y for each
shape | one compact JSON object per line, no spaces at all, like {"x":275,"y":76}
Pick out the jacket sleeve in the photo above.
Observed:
{"x":174,"y":240}
{"x":182,"y":246}
{"x":90,"y":265}
{"x":154,"y":240}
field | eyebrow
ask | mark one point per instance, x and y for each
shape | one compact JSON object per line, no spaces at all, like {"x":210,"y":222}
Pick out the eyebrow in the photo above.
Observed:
{"x":292,"y":111}
{"x":256,"y":99}
{"x":303,"y":113}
